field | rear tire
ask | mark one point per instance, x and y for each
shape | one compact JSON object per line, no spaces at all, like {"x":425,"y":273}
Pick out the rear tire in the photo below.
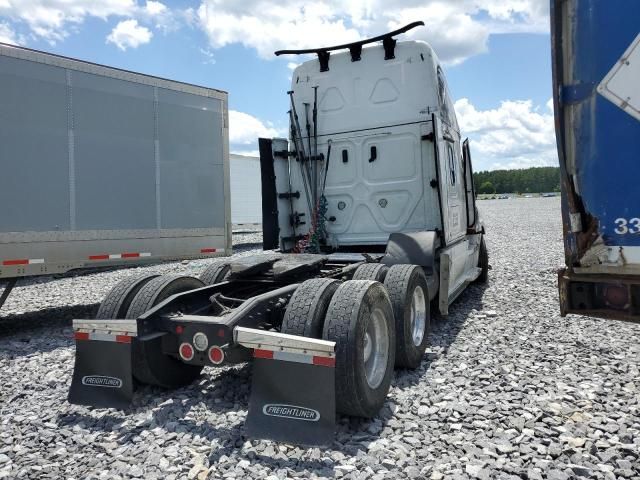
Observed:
{"x":308,"y":306}
{"x":409,"y":294}
{"x":117,"y":301}
{"x":483,"y":262}
{"x":150,"y":364}
{"x":371,"y":271}
{"x":216,"y":273}
{"x":360,"y":321}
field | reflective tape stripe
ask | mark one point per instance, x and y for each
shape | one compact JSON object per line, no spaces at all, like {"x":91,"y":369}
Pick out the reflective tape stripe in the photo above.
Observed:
{"x":208,"y":250}
{"x":102,"y":337}
{"x":81,"y":335}
{"x":15,"y":262}
{"x":295,"y":357}
{"x":22,"y":261}
{"x":117,"y":256}
{"x":257,"y":353}
{"x":324,"y":361}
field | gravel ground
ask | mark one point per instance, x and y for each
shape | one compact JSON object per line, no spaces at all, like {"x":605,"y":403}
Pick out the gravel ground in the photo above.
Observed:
{"x":508,"y":389}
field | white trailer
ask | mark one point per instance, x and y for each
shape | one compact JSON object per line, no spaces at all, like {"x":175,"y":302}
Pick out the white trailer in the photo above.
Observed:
{"x":246,"y":190}
{"x":101,"y":166}
{"x":370,"y":204}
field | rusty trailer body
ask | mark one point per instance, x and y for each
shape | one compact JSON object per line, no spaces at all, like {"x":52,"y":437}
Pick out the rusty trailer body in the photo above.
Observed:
{"x":596,"y":62}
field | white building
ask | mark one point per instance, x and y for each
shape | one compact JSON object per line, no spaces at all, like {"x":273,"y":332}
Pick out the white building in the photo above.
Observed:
{"x":246,"y":189}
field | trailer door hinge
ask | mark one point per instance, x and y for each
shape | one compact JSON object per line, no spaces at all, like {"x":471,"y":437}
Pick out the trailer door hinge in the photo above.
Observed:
{"x":283,"y":154}
{"x":428,"y":136}
{"x":289,"y":195}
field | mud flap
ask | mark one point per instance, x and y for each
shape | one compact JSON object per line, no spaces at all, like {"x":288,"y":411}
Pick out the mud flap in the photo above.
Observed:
{"x":102,"y":375}
{"x":292,"y":402}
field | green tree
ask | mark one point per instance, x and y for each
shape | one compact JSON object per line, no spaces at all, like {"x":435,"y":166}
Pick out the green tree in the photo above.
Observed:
{"x":487,"y":188}
{"x":533,"y":180}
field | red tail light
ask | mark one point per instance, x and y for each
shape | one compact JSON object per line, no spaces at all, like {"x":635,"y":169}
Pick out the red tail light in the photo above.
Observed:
{"x":186,"y":352}
{"x":616,"y":296}
{"x":216,"y":355}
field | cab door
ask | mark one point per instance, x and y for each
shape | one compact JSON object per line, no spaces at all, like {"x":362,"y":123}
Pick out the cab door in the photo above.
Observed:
{"x":469,"y":189}
{"x":452,"y":184}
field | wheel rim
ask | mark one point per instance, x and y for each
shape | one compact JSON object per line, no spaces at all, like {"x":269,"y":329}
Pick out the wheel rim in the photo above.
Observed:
{"x":418,"y":316}
{"x":376,"y":348}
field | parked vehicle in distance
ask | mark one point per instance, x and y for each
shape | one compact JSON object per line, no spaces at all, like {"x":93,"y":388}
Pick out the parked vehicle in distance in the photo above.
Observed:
{"x":371,"y":207}
{"x":94,"y":160}
{"x":596,"y":54}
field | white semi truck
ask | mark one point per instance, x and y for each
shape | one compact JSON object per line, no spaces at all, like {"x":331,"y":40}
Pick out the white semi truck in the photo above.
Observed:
{"x":370,"y":210}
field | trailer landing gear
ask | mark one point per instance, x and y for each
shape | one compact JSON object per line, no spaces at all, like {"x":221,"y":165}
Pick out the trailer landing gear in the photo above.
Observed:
{"x":7,"y":290}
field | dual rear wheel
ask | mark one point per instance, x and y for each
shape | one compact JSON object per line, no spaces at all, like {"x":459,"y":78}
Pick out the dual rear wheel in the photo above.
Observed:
{"x":375,"y":326}
{"x":134,"y":296}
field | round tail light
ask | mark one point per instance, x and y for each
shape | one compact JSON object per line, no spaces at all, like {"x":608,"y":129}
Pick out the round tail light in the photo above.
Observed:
{"x":200,"y":341}
{"x":616,"y":296}
{"x":186,"y":352}
{"x":216,"y":355}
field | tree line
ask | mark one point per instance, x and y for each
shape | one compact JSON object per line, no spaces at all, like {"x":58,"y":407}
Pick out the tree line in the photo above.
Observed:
{"x":529,"y":180}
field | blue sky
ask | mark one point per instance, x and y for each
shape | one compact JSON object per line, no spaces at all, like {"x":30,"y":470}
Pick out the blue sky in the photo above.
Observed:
{"x":496,"y":55}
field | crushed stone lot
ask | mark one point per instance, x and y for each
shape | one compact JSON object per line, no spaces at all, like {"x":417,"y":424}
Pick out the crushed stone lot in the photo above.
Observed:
{"x":508,"y":388}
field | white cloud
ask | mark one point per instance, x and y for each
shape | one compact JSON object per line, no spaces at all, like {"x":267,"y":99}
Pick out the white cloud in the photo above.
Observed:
{"x":456,"y":29}
{"x":515,"y":135}
{"x":161,"y":16}
{"x":209,"y":57}
{"x":128,"y":34}
{"x":245,"y":129}
{"x":7,"y":35}
{"x":50,"y":19}
{"x":517,"y":15}
{"x":53,"y":20}
{"x":271,"y":25}
{"x":155,"y":8}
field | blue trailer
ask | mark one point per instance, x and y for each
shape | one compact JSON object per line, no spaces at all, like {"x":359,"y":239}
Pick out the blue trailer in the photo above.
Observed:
{"x":596,"y":76}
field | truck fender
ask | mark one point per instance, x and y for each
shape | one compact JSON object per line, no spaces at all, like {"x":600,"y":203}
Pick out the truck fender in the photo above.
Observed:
{"x":415,"y":248}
